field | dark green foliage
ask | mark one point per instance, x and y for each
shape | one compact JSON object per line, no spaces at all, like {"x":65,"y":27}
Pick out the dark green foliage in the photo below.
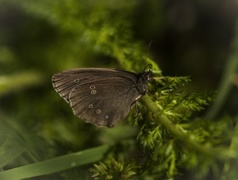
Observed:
{"x":113,"y":169}
{"x":172,"y":133}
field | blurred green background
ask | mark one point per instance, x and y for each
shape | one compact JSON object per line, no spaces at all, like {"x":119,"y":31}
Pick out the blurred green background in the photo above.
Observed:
{"x":39,"y":38}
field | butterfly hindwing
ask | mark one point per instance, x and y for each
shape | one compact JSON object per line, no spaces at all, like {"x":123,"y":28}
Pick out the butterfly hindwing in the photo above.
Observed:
{"x":100,"y":104}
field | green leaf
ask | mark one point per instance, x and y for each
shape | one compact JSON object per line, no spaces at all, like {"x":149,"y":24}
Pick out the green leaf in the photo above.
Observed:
{"x":56,"y":164}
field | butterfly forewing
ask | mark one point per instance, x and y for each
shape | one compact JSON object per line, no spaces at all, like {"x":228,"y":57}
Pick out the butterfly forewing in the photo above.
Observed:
{"x":99,"y":96}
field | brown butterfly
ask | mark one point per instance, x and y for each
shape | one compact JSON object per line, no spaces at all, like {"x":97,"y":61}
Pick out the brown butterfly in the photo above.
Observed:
{"x":101,"y":96}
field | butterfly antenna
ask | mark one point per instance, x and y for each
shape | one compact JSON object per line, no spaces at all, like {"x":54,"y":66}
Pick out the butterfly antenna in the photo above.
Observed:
{"x":148,"y":50}
{"x":147,"y":54}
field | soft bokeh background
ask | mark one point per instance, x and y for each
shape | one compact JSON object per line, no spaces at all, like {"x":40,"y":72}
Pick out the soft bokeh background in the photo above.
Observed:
{"x":39,"y":38}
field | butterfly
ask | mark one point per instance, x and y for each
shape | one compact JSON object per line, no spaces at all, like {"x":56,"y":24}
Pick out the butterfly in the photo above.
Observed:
{"x":101,"y":96}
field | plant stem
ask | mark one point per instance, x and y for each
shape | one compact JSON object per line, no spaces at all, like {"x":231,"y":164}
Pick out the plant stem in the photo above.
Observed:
{"x":226,"y":81}
{"x":185,"y":138}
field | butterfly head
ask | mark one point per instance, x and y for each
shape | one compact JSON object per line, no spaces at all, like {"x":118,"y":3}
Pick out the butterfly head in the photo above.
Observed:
{"x":142,"y":80}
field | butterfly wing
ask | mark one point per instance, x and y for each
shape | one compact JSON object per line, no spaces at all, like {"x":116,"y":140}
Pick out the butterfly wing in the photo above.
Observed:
{"x":99,"y":96}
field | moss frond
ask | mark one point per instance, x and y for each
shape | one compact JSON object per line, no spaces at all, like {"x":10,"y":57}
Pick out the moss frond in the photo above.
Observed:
{"x":113,"y":169}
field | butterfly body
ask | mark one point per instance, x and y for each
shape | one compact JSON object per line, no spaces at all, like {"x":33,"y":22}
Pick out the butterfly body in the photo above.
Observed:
{"x":100,"y":96}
